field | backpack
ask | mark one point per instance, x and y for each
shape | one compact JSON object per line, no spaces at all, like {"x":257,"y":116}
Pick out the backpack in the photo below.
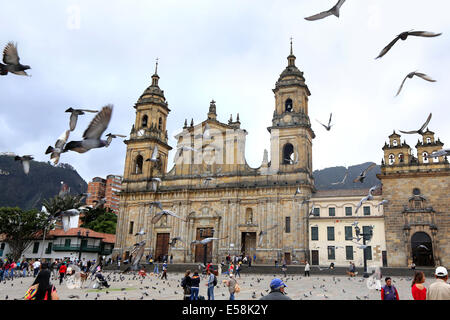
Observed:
{"x":215,"y":281}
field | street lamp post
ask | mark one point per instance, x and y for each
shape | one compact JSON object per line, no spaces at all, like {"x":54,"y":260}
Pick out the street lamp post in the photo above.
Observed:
{"x":364,"y":235}
{"x":81,"y":237}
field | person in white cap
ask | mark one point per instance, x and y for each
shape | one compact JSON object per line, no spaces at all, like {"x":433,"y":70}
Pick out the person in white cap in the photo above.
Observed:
{"x":439,"y":290}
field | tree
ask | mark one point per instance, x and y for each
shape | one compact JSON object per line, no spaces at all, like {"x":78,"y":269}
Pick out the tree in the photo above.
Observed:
{"x":62,"y":203}
{"x":99,"y":220}
{"x":21,"y":228}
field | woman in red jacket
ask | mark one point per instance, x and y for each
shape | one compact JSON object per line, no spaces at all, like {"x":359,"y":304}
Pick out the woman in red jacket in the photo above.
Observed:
{"x":418,"y":290}
{"x":62,"y":272}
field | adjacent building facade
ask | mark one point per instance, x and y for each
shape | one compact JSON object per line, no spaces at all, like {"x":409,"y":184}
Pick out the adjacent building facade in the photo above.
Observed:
{"x":417,"y":217}
{"x":107,"y":189}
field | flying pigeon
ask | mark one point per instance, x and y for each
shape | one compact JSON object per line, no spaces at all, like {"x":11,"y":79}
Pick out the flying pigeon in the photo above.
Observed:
{"x":264,"y":232}
{"x":174,"y":241}
{"x":206,"y":240}
{"x":136,"y":254}
{"x":112,"y":136}
{"x":362,"y":175}
{"x":412,"y":74}
{"x":99,"y":204}
{"x":366,"y":198}
{"x":311,"y":212}
{"x":157,"y":203}
{"x":440,"y":153}
{"x":184,"y":148}
{"x":343,"y":180}
{"x":155,"y":182}
{"x":160,"y":214}
{"x":154,"y":157}
{"x":422,"y":128}
{"x":382,"y":202}
{"x":327,"y":127}
{"x":11,"y":60}
{"x":404,"y":36}
{"x":140,"y":233}
{"x":324,"y":14}
{"x":92,"y":135}
{"x":66,"y":216}
{"x":55,"y":152}
{"x":25,"y":160}
{"x":207,"y":180}
{"x":206,"y":133}
{"x":423,"y":246}
{"x":298,"y":191}
{"x":74,"y":113}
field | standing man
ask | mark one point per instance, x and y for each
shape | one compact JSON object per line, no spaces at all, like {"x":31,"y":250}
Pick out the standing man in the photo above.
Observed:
{"x":389,"y":291}
{"x":164,"y":268}
{"x":210,"y":284}
{"x":307,"y":268}
{"x":276,"y":291}
{"x":24,"y":267}
{"x":36,"y":267}
{"x":439,"y":290}
{"x":231,"y":284}
{"x":62,"y":272}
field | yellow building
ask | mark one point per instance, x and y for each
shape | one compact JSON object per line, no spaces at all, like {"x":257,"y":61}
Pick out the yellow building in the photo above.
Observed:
{"x":212,"y":187}
{"x":332,"y":228}
{"x":417,"y":217}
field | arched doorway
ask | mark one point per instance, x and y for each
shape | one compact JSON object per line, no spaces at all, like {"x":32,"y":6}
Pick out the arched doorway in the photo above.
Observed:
{"x":422,"y":249}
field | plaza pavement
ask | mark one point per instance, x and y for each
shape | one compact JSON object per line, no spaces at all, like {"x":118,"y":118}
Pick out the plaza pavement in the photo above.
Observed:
{"x":323,"y":287}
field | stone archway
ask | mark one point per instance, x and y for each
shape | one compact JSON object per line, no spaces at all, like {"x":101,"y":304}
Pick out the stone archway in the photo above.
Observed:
{"x":422,"y":249}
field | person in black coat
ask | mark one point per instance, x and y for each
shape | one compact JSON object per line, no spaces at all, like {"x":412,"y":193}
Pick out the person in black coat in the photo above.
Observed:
{"x":45,"y":288}
{"x":186,"y":284}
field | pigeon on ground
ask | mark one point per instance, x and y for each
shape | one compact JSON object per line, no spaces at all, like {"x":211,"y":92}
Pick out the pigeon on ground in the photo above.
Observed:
{"x":112,"y":136}
{"x":404,"y":36}
{"x":25,"y":160}
{"x":412,"y":74}
{"x":11,"y":59}
{"x":327,"y":127}
{"x":422,"y":128}
{"x":74,"y":113}
{"x":55,"y":152}
{"x":363,"y":174}
{"x":92,"y":135}
{"x":333,"y":11}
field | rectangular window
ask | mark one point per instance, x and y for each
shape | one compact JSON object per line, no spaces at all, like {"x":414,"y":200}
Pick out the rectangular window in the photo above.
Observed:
{"x":2,"y":246}
{"x":367,"y":230}
{"x":36,"y":247}
{"x":331,"y":253}
{"x":316,"y":212}
{"x":49,"y":248}
{"x":348,"y":233}
{"x":287,"y":228}
{"x":348,"y":211}
{"x":314,"y":233}
{"x":331,"y":212}
{"x":67,"y":243}
{"x":130,"y":231}
{"x":330,"y":233}
{"x":349,"y":252}
{"x":368,"y":251}
{"x":366,"y":211}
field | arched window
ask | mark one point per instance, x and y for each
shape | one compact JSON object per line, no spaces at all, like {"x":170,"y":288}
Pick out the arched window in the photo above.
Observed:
{"x":425,"y":157}
{"x":249,"y":216}
{"x":435,"y":159}
{"x":144,"y":120}
{"x":394,"y":143}
{"x":288,"y":105}
{"x":288,"y":150}
{"x":391,"y":159}
{"x":160,"y":123}
{"x":401,"y":157}
{"x":428,"y":140}
{"x":138,"y":164}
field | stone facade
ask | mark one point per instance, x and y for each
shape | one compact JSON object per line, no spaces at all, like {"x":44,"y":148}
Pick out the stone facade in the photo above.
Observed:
{"x":211,"y":185}
{"x":418,"y":190}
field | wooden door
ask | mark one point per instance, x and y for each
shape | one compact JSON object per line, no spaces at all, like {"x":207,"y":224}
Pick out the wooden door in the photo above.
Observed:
{"x":203,"y":233}
{"x":315,"y":257}
{"x":162,"y":246}
{"x":287,"y":257}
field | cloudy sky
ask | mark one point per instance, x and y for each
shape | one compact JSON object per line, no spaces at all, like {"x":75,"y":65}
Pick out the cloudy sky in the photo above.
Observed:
{"x":86,"y":54}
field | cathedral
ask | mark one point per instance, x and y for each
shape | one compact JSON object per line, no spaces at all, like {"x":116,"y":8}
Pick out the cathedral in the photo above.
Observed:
{"x":260,"y":212}
{"x":274,"y":212}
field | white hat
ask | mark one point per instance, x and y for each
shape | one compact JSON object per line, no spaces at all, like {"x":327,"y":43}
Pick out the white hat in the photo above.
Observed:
{"x":441,"y":272}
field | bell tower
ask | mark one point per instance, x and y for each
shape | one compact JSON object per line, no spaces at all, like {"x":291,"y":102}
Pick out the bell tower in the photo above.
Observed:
{"x":291,"y":133}
{"x":148,"y":132}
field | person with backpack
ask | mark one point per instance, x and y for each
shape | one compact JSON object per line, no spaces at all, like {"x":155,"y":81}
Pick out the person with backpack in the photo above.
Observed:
{"x":389,"y":291}
{"x":195,"y":284}
{"x":186,"y":284}
{"x":212,"y":282}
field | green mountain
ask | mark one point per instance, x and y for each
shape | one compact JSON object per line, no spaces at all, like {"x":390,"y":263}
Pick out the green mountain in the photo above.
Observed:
{"x":42,"y":182}
{"x":325,"y":177}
